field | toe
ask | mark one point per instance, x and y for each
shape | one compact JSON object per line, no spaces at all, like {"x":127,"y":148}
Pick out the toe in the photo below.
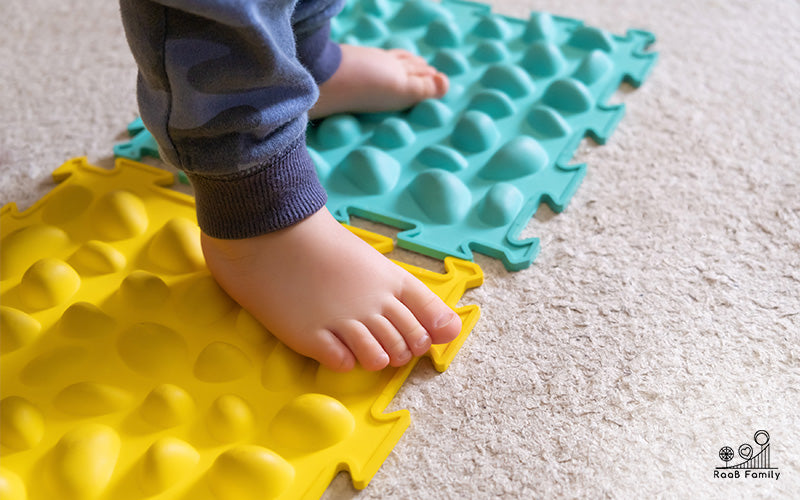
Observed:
{"x":441,"y":322}
{"x":414,"y":334}
{"x":423,"y":87}
{"x":441,"y":84}
{"x":403,"y":54}
{"x":417,"y":65}
{"x":421,"y":70}
{"x":331,"y":352}
{"x":357,"y":337}
{"x":428,"y":86}
{"x":390,"y":338}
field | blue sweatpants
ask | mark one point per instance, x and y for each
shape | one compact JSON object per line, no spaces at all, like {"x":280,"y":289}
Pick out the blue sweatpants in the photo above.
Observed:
{"x":224,"y":86}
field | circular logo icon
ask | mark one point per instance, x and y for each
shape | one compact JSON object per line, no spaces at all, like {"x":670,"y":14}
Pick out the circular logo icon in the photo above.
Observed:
{"x":761,"y":437}
{"x":726,"y":453}
{"x":745,"y":451}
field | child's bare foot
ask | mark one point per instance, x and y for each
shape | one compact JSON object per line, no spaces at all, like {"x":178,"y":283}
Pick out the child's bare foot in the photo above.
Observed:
{"x":370,"y":80}
{"x":316,"y":286}
{"x":330,"y":296}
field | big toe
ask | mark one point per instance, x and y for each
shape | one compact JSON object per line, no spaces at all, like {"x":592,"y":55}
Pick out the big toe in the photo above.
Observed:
{"x":421,"y":87}
{"x":441,"y":84}
{"x":441,"y":322}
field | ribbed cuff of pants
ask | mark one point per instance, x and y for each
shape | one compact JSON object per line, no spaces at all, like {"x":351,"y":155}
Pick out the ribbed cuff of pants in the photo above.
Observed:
{"x":264,"y":199}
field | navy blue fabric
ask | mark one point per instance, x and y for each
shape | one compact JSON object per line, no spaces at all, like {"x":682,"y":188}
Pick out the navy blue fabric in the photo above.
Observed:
{"x":224,"y":86}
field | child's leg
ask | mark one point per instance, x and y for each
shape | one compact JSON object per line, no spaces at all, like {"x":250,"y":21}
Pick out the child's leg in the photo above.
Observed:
{"x":342,"y":299}
{"x":224,"y":95}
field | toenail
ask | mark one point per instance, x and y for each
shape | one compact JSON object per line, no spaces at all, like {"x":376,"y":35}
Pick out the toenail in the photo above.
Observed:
{"x":444,"y":320}
{"x":404,"y":356}
{"x":423,"y":342}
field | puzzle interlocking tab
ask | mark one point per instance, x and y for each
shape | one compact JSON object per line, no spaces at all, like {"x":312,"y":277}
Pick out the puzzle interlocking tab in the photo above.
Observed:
{"x":141,"y":144}
{"x":469,"y":171}
{"x":128,"y":373}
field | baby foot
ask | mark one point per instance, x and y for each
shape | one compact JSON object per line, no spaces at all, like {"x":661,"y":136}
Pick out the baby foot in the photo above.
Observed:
{"x":329,"y":295}
{"x":370,"y":80}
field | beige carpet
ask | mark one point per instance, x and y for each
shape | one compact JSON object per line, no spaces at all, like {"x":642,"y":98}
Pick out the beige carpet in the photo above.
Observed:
{"x":661,"y":320}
